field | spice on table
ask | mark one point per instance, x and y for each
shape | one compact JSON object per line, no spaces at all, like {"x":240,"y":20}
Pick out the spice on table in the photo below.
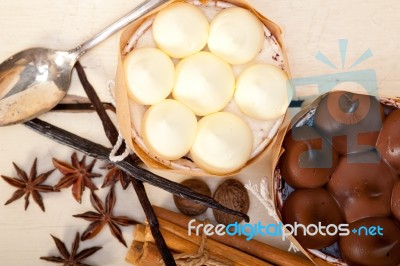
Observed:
{"x":253,"y":247}
{"x":104,"y":216}
{"x":115,"y":175}
{"x":78,"y":174}
{"x":72,"y":258}
{"x":231,"y":194}
{"x":28,"y":185}
{"x":199,"y":249}
{"x":187,"y":206}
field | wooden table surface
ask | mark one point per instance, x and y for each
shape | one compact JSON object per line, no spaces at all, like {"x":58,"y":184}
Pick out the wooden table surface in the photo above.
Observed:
{"x":310,"y":27}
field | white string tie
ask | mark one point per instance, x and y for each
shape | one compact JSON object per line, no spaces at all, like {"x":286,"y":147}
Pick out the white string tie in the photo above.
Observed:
{"x":117,"y":158}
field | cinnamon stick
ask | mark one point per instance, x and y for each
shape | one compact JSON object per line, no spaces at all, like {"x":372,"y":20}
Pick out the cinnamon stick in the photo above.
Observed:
{"x":180,"y":243}
{"x":140,"y":249}
{"x":256,"y":248}
{"x":175,"y":243}
{"x":237,"y":256}
{"x":135,"y":252}
{"x":144,"y":254}
{"x":139,"y":233}
{"x":141,"y":253}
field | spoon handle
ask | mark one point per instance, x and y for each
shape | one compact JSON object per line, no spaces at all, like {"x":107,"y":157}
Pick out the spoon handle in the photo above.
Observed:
{"x":139,"y":11}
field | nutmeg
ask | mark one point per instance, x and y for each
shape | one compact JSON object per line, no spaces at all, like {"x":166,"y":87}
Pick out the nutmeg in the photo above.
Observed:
{"x":187,"y":206}
{"x":231,"y":194}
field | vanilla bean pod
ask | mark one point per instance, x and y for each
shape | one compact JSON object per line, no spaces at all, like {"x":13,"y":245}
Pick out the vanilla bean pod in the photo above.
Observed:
{"x":100,"y":152}
{"x":80,"y":107}
{"x":112,"y":134}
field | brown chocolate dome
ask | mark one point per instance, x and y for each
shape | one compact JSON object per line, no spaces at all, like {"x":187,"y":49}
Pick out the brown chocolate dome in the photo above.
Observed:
{"x":388,"y":142}
{"x":309,"y":160}
{"x":396,"y":201}
{"x":362,"y":185}
{"x":381,"y":249}
{"x":312,"y":206}
{"x":350,"y":121}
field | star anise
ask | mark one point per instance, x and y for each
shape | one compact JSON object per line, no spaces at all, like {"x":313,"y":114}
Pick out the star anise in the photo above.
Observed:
{"x":78,"y":174}
{"x":115,"y":175}
{"x":28,"y":185}
{"x":73,"y":258}
{"x":104,"y":216}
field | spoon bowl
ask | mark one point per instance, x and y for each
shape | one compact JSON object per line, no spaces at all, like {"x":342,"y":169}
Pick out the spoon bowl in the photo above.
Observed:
{"x":32,"y":82}
{"x":35,"y":80}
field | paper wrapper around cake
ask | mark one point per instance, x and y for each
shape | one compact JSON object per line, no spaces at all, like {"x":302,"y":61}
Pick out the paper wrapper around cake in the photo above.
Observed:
{"x":276,"y":182}
{"x":123,"y":108}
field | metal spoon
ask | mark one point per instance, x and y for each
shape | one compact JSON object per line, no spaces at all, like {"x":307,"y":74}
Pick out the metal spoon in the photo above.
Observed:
{"x":33,"y":81}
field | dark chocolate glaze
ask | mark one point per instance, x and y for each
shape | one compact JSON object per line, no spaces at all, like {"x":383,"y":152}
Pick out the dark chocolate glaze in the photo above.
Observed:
{"x":309,"y":160}
{"x":396,"y":201}
{"x":312,"y":206}
{"x":372,"y":250}
{"x":388,"y":143}
{"x":350,"y":121}
{"x":362,"y":185}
